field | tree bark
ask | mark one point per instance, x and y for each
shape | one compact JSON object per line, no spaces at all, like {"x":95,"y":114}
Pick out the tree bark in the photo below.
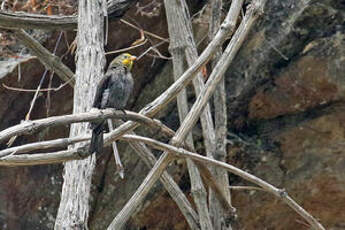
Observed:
{"x":73,"y":212}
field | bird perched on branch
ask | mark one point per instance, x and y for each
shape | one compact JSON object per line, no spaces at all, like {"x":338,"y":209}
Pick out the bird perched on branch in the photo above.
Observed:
{"x":113,"y":91}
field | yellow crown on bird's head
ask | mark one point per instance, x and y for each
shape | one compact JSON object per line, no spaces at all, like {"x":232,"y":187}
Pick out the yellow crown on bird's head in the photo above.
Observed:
{"x":125,"y":60}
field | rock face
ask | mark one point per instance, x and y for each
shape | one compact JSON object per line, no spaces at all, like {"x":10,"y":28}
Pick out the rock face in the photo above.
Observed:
{"x":286,"y":108}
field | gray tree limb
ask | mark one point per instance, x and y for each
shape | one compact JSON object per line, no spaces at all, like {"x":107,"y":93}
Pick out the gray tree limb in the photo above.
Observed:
{"x":73,"y":212}
{"x":219,"y":218}
{"x":170,"y":185}
{"x":29,"y":127}
{"x":115,"y":9}
{"x":177,"y":47}
{"x":49,"y":60}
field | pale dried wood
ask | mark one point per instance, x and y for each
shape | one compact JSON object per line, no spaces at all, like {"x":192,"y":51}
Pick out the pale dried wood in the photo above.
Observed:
{"x":280,"y":193}
{"x":73,"y":212}
{"x":219,"y":218}
{"x":49,"y":60}
{"x":22,"y":20}
{"x":116,"y":9}
{"x":36,"y":125}
{"x":57,"y":143}
{"x":170,"y":185}
{"x":177,"y":47}
{"x":29,"y":127}
{"x":119,"y":167}
{"x":228,"y":55}
{"x":155,"y":173}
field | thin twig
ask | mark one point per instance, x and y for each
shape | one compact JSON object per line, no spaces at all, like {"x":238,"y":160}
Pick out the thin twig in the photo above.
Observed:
{"x":126,"y":49}
{"x":119,"y":167}
{"x":150,"y":48}
{"x":246,"y":188}
{"x":146,"y":32}
{"x":34,"y":90}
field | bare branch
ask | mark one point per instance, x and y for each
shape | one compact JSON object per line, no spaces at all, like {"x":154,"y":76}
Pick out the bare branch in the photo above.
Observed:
{"x":57,"y":143}
{"x":34,"y":90}
{"x":29,"y":127}
{"x":49,"y":60}
{"x":220,"y":121}
{"x":116,"y":9}
{"x":177,"y":195}
{"x":41,"y":158}
{"x":119,"y":167}
{"x":280,"y":193}
{"x":178,"y":32}
{"x":74,"y":206}
{"x":126,"y":49}
{"x":145,"y":32}
{"x":246,"y":188}
{"x":155,"y":173}
{"x":170,"y":185}
{"x":36,"y":21}
{"x":222,"y":65}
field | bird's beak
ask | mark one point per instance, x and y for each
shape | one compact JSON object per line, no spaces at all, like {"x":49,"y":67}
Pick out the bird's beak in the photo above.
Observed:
{"x":133,"y":58}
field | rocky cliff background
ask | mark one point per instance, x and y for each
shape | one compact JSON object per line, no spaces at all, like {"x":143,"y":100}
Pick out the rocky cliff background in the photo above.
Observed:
{"x":286,"y":105}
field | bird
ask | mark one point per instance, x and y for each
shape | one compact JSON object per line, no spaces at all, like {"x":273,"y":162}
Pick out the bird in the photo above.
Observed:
{"x":113,"y":91}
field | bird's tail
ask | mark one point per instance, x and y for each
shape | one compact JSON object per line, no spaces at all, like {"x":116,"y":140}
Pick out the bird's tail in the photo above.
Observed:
{"x":97,"y":138}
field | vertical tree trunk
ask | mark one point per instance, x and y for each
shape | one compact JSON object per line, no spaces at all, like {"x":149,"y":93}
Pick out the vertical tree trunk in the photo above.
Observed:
{"x":73,"y":212}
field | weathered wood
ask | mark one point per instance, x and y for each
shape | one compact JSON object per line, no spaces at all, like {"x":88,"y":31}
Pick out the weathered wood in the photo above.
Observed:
{"x":29,"y":127}
{"x":8,"y":20}
{"x":122,"y":217}
{"x":49,"y":60}
{"x":219,"y":217}
{"x":280,"y":193}
{"x":36,"y":125}
{"x":178,"y":43}
{"x":119,"y":167}
{"x":170,"y":185}
{"x":73,"y":212}
{"x":21,"y":20}
{"x":228,"y":55}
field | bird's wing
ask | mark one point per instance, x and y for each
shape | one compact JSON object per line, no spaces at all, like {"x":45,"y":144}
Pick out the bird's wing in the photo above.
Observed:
{"x":101,"y":87}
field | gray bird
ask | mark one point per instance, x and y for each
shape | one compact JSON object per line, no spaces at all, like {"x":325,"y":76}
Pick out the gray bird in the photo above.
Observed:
{"x":113,"y":91}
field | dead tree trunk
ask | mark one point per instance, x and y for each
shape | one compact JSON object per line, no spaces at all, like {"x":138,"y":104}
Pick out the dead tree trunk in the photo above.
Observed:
{"x":73,"y":212}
